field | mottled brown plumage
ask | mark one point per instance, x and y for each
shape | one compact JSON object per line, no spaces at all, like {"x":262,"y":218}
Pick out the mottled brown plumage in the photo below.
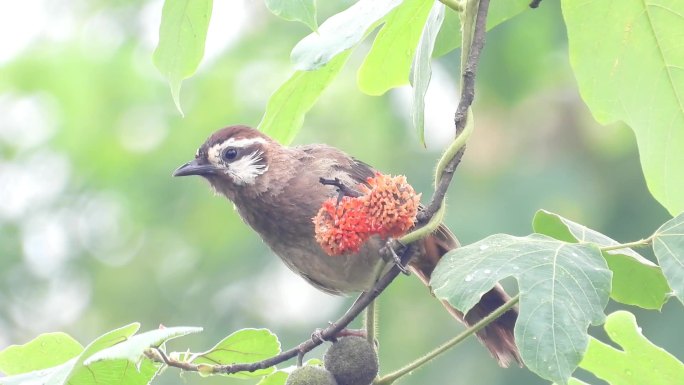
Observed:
{"x":276,"y":191}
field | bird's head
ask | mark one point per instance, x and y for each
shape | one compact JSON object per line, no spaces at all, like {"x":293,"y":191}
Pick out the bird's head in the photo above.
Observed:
{"x":231,"y":158}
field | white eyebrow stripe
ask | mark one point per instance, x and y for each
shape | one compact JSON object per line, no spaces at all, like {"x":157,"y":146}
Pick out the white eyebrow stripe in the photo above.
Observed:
{"x":242,"y":142}
{"x":214,"y":152}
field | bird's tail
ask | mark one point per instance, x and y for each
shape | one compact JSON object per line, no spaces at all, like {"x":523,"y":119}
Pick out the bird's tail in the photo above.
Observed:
{"x":497,"y":336}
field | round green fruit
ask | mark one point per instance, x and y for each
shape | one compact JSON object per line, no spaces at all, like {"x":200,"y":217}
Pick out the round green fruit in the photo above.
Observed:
{"x":352,"y":360}
{"x":310,"y":375}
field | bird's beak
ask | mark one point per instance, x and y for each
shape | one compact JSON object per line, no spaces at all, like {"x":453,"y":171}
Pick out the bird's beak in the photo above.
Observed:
{"x":194,"y":168}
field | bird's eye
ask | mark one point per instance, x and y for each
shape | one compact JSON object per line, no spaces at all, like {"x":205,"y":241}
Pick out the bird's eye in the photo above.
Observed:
{"x":230,"y":154}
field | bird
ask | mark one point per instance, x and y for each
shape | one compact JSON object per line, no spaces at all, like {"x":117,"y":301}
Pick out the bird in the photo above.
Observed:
{"x":276,"y":190}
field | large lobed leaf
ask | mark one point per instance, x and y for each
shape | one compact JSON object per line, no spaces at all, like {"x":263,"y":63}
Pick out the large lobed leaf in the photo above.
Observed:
{"x":564,"y":288}
{"x":668,"y":246}
{"x":639,"y":362}
{"x":636,"y":280}
{"x":628,"y":59}
{"x":182,"y":34}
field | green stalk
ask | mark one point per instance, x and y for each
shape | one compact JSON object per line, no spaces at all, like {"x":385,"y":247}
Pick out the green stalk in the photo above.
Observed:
{"x":390,"y":378}
{"x":370,"y":323}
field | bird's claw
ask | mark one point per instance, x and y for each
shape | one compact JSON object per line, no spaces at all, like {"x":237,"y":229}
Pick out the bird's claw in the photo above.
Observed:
{"x":317,"y":336}
{"x":397,"y":260}
{"x":352,"y":333}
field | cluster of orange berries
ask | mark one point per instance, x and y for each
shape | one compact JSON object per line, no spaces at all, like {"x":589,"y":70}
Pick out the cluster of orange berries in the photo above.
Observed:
{"x":387,"y":207}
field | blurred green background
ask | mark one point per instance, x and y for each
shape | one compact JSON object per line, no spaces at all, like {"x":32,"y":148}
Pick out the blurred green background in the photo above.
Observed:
{"x":95,"y":233}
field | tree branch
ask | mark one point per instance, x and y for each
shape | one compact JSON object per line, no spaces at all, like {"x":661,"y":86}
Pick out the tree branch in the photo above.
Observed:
{"x":453,"y":155}
{"x":328,"y":333}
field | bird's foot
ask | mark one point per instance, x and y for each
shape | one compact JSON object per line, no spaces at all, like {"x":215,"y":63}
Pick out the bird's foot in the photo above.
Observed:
{"x":397,"y":259}
{"x":352,"y":333}
{"x":317,"y":335}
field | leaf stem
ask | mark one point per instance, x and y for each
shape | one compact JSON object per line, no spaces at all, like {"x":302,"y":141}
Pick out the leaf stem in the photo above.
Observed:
{"x":628,"y":245}
{"x":370,"y":322}
{"x":456,"y":5}
{"x":391,"y":377}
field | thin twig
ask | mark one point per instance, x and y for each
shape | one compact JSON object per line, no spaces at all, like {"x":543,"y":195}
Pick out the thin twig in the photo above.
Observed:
{"x":461,"y":116}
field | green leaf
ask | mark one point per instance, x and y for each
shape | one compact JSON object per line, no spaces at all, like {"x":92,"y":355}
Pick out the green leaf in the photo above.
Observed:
{"x":182,"y":34}
{"x":118,"y":371}
{"x":421,"y":71}
{"x":107,"y":340}
{"x":564,"y":287}
{"x":133,"y":349}
{"x":668,"y":246}
{"x":628,"y":59}
{"x":449,"y":37}
{"x":46,"y":350}
{"x":388,"y":63}
{"x":50,"y":376}
{"x":103,"y":342}
{"x":74,"y":372}
{"x":287,"y":107}
{"x":639,"y":362}
{"x":295,"y":10}
{"x":276,"y":378}
{"x":636,"y":280}
{"x":114,"y":358}
{"x":243,"y":346}
{"x":339,"y":33}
